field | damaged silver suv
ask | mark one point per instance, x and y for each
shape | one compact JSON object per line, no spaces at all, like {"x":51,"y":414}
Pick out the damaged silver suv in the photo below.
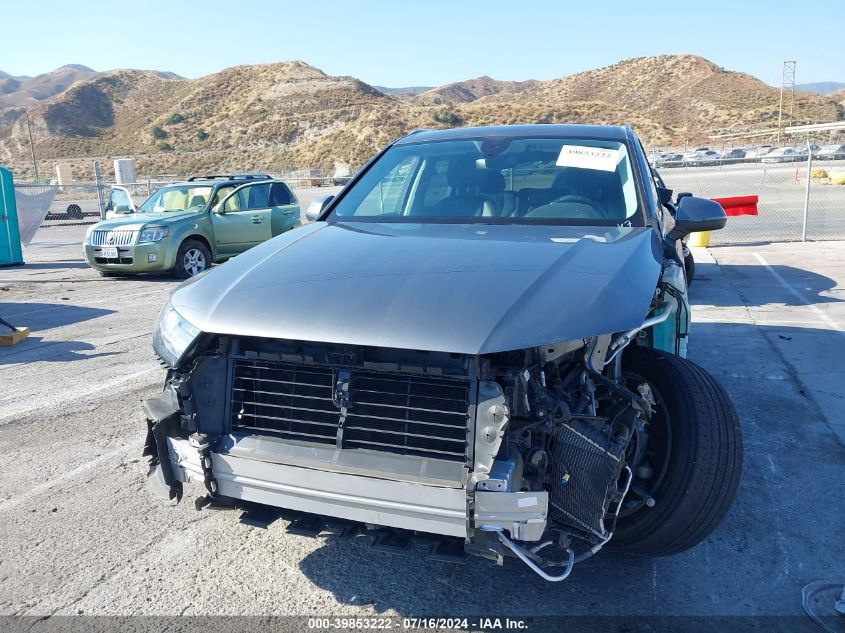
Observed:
{"x":480,"y":338}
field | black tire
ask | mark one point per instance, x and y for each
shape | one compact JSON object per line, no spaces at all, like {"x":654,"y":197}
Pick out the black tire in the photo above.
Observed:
{"x":704,"y":457}
{"x":689,"y":267}
{"x":193,"y":249}
{"x":74,"y":212}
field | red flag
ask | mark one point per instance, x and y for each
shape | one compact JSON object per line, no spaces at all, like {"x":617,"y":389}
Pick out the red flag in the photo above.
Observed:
{"x":738,"y":205}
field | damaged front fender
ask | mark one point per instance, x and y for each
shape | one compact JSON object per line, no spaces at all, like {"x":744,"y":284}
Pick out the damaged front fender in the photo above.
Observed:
{"x":163,"y":415}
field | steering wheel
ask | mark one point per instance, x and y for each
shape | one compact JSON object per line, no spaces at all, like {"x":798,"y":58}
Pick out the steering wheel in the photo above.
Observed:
{"x":578,"y":199}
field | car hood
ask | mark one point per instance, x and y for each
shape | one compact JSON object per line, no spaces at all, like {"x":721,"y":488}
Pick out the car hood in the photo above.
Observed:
{"x":134,"y":221}
{"x":471,"y":289}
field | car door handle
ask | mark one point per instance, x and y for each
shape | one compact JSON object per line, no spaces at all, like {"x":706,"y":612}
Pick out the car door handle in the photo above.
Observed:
{"x":256,"y":219}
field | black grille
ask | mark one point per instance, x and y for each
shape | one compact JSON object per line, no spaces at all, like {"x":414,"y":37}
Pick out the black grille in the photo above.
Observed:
{"x":407,"y":414}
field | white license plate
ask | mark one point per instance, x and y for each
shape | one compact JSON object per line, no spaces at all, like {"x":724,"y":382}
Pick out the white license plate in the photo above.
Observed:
{"x":109,"y":252}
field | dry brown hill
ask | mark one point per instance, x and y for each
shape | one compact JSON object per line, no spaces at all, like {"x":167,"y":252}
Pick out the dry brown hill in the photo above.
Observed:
{"x":667,"y":98}
{"x":469,"y":90}
{"x":291,"y":114}
{"x":23,"y":91}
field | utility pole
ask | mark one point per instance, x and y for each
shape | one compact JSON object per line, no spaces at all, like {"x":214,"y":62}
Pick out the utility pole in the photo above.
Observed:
{"x":787,"y":84}
{"x":32,"y":146}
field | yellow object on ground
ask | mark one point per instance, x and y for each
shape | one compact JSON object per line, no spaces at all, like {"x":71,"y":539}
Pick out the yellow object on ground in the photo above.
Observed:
{"x":13,"y":338}
{"x":699,"y":239}
{"x":818,"y":173}
{"x":837,"y":177}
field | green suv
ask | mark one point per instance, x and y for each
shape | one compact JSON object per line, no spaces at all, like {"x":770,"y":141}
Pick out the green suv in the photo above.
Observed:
{"x":184,"y":227}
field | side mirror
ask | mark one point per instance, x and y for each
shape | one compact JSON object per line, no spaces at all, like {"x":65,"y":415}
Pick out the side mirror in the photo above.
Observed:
{"x":681,"y":196}
{"x":122,"y":208}
{"x":664,"y":195}
{"x":317,"y":206}
{"x":218,"y":209}
{"x":695,"y":215}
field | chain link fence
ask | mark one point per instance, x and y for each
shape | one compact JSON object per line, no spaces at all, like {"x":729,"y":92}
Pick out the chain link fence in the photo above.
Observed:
{"x":798,"y":198}
{"x":800,"y":189}
{"x":33,"y":203}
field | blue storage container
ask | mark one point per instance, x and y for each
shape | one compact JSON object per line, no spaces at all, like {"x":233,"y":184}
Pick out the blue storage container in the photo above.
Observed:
{"x":10,"y":239}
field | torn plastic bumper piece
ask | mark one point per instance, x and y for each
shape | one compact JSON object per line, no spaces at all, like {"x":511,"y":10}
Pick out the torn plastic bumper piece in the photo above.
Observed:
{"x":163,"y":419}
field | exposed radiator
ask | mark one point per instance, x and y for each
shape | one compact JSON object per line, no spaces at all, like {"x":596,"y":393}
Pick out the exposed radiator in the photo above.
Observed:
{"x":585,"y":472}
{"x":408,"y":414}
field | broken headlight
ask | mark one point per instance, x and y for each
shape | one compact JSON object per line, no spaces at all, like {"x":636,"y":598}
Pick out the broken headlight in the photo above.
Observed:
{"x":172,"y":336}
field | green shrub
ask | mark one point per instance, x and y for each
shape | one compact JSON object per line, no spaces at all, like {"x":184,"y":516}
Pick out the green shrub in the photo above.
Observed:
{"x":202,"y":134}
{"x":447,"y":117}
{"x":174,"y":118}
{"x":159,"y":133}
{"x":164,"y":147}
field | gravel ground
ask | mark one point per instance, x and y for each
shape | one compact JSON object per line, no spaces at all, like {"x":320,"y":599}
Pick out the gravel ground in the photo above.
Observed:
{"x":83,"y":536}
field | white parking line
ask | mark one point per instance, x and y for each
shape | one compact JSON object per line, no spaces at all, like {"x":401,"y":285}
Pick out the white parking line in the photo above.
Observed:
{"x":815,"y":309}
{"x":12,"y":412}
{"x":70,"y":474}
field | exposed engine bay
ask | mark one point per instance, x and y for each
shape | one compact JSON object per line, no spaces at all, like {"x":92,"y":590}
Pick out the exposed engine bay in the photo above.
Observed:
{"x":537,"y":445}
{"x":569,"y":432}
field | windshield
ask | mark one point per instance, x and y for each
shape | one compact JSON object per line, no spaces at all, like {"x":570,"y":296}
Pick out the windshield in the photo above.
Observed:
{"x":499,"y":180}
{"x":177,"y":198}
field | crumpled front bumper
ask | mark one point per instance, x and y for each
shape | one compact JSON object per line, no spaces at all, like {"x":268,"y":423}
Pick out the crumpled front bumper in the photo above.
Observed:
{"x":324,"y":481}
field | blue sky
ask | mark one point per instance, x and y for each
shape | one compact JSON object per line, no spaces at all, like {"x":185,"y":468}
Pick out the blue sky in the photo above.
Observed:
{"x":421,"y":43}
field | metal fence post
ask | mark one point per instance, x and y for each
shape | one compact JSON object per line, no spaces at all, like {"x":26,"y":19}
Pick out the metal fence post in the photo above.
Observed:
{"x":98,"y":182}
{"x":807,"y":191}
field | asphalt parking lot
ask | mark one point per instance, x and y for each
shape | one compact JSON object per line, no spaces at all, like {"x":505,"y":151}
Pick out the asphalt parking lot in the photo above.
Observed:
{"x":83,"y":536}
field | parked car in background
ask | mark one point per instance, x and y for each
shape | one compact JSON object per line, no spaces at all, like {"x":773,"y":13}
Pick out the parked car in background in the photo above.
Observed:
{"x":669,"y":159}
{"x":753,"y":154}
{"x":734,"y":155}
{"x":342,"y":175}
{"x":831,"y":152}
{"x":479,"y":341}
{"x":782,"y":155}
{"x":805,"y":151}
{"x":701,"y":159}
{"x":184,"y":227}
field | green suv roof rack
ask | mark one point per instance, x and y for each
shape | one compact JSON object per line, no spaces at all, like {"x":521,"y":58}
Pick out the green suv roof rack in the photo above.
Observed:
{"x":231,"y":177}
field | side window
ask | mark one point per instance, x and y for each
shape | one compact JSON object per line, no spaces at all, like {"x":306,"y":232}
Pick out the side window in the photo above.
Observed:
{"x":119,"y":198}
{"x":280,"y":195}
{"x":221,"y":193}
{"x":255,"y":197}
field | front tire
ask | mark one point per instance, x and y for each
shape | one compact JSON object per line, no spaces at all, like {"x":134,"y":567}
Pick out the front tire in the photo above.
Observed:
{"x":192,"y":258}
{"x":702,"y":448}
{"x":689,"y":266}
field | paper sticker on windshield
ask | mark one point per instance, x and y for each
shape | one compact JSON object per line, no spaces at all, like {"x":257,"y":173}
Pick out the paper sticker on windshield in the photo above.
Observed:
{"x":583,"y":157}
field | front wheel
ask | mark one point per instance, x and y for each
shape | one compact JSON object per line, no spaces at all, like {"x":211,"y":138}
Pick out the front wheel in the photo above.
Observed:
{"x":689,"y":265}
{"x":689,"y":457}
{"x":192,"y":259}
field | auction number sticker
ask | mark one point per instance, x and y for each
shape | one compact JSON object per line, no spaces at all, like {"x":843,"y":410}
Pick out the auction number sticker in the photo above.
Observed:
{"x":583,"y":157}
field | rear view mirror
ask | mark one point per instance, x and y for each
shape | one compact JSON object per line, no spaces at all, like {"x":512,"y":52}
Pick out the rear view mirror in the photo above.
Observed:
{"x":317,"y":206}
{"x":695,"y":215}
